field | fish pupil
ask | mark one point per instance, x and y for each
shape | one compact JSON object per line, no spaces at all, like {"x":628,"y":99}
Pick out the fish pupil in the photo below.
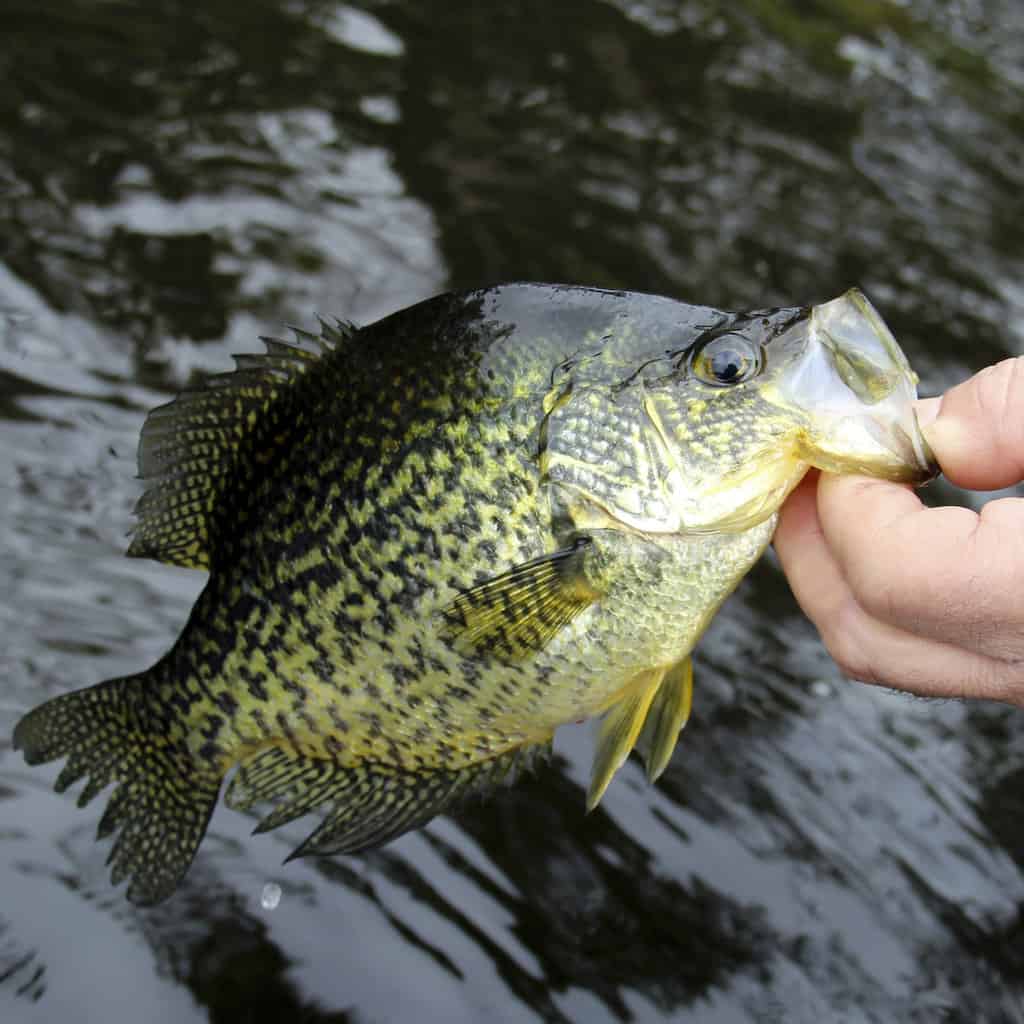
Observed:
{"x":727,"y":365}
{"x":726,"y":361}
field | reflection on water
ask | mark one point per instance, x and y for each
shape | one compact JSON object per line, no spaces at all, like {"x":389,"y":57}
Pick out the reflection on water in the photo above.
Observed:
{"x":175,"y":182}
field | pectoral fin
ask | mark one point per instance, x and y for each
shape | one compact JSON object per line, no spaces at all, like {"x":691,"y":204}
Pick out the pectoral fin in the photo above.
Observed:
{"x":517,"y":613}
{"x":619,"y":731}
{"x":669,"y":712}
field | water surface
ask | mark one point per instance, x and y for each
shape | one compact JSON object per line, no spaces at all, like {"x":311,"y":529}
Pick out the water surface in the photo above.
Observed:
{"x":177,"y":179}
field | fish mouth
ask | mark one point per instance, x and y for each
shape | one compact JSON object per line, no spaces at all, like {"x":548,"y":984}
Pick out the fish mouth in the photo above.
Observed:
{"x":904,"y":441}
{"x":892,"y":449}
{"x":857,"y":390}
{"x":922,"y":450}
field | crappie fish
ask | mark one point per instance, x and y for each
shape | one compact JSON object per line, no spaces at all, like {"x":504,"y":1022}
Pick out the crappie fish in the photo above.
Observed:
{"x":433,"y":540}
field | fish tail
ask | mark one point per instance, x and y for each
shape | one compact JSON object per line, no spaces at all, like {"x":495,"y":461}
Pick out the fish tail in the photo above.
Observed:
{"x":115,"y":732}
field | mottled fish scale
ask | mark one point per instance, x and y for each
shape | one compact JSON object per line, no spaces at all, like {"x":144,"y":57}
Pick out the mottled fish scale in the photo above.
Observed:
{"x":431,"y":542}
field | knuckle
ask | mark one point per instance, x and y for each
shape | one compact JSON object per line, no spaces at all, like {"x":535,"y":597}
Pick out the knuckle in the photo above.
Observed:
{"x":842,"y":637}
{"x":883,"y":595}
{"x":876,"y":596}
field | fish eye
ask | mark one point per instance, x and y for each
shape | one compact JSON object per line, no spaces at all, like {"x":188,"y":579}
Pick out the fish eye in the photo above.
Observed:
{"x":726,"y":360}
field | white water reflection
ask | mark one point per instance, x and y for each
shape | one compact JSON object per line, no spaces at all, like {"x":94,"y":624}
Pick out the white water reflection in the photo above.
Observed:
{"x":817,"y":850}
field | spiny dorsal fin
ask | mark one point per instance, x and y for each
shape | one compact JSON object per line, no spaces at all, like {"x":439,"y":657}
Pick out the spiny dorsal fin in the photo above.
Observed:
{"x":188,"y":446}
{"x":372,"y":803}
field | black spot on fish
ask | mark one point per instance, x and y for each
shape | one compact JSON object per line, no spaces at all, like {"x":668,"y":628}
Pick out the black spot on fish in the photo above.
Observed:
{"x":285,"y":726}
{"x":209,"y":751}
{"x":420,"y":662}
{"x":309,"y":722}
{"x":323,"y":667}
{"x":244,"y":607}
{"x":181,"y":701}
{"x":211,"y":727}
{"x":254,"y":684}
{"x":227,"y":703}
{"x":337,"y":721}
{"x":297,"y":689}
{"x":401,"y":676}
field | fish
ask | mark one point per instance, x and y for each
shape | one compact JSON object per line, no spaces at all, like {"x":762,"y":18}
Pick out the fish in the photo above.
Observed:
{"x":433,"y":540}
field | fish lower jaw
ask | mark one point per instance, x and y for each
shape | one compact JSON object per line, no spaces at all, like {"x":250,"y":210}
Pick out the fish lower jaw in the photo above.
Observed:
{"x":728,"y":512}
{"x":740,"y":508}
{"x":883,"y":467}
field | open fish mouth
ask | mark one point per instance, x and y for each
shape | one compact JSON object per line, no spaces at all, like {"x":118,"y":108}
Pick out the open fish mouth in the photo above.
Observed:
{"x":900,"y":449}
{"x":858,"y":392}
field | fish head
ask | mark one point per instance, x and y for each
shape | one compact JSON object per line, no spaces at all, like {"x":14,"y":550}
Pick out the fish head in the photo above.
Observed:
{"x":714,"y":436}
{"x":759,"y":402}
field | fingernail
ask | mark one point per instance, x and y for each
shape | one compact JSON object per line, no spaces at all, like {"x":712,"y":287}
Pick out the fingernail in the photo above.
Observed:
{"x":945,"y":435}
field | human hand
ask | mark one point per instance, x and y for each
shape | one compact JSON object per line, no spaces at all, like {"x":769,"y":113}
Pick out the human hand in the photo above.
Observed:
{"x":925,"y":600}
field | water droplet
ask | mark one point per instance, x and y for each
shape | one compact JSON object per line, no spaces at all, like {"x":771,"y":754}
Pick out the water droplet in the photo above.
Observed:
{"x":821,"y":688}
{"x":271,"y":896}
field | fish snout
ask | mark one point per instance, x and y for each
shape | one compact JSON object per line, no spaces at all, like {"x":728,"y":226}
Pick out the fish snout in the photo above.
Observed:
{"x":858,"y":391}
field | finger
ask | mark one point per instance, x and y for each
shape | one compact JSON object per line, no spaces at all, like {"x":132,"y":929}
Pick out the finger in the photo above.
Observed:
{"x":809,"y":566}
{"x":876,"y":652}
{"x":947,"y":573}
{"x":863,"y":647}
{"x":977,"y":433}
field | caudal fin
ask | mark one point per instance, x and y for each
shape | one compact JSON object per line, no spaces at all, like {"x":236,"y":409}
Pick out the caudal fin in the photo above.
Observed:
{"x":163,"y":800}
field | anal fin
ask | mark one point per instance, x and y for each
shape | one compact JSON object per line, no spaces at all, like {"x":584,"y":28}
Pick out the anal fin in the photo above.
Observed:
{"x":370,"y":803}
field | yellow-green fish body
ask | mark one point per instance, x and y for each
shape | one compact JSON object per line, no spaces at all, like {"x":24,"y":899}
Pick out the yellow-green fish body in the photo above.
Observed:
{"x":433,"y":540}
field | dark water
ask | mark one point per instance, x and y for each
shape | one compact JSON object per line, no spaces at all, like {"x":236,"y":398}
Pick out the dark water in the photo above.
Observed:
{"x":176,"y":178}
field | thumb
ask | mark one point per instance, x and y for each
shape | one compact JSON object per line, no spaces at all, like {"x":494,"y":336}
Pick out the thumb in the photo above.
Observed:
{"x":976,"y":429}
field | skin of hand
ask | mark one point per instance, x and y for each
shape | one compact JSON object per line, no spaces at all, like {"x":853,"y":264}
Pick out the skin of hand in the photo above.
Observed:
{"x":927,"y":600}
